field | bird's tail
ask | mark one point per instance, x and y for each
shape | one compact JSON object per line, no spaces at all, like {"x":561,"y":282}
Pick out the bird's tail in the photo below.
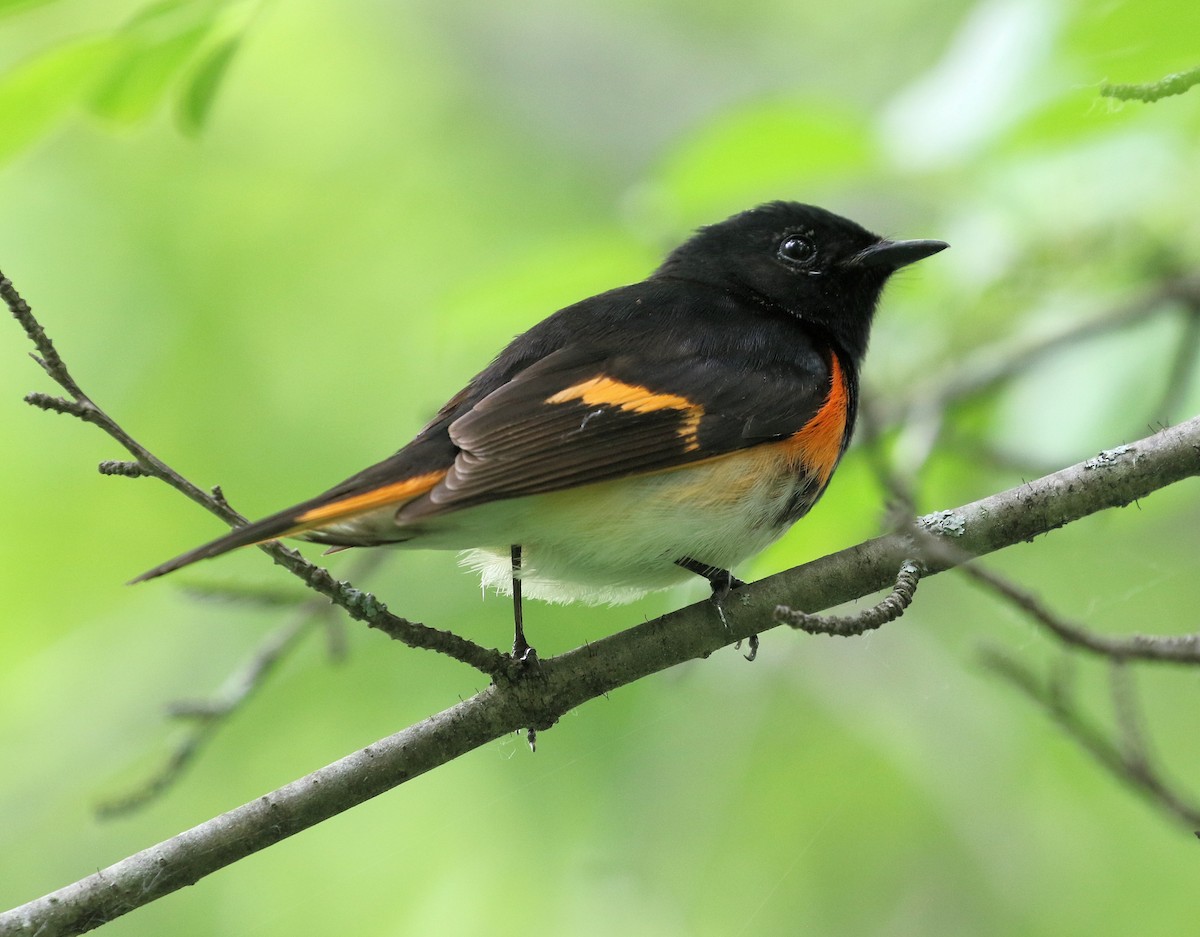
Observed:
{"x":283,"y":524}
{"x":357,"y":496}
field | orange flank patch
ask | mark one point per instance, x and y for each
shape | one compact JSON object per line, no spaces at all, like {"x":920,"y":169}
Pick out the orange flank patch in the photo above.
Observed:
{"x":607,"y":392}
{"x":395,"y":493}
{"x":818,"y":444}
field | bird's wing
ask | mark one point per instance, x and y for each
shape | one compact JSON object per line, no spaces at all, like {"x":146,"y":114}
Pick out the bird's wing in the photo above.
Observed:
{"x":568,"y":421}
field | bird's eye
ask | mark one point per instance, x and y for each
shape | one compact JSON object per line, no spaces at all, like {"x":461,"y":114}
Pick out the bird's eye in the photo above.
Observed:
{"x":797,"y":250}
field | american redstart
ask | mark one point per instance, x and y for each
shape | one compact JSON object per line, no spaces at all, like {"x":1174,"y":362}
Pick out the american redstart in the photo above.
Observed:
{"x":660,"y":430}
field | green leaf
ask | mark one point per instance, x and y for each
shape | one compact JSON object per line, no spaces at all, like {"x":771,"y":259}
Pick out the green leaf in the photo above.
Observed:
{"x":38,"y":93}
{"x":196,"y":99}
{"x":136,"y":84}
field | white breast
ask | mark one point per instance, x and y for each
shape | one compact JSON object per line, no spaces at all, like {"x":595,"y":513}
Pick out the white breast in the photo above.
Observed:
{"x":613,"y":542}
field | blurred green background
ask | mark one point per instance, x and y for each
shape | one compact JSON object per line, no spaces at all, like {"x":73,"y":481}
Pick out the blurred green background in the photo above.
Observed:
{"x":272,"y":238}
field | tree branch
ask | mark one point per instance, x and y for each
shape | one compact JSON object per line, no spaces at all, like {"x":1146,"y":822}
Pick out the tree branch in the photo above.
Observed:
{"x":1113,"y":479}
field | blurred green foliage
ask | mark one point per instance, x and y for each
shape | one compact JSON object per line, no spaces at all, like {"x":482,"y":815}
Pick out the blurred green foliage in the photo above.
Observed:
{"x":123,"y":74}
{"x":369,"y":200}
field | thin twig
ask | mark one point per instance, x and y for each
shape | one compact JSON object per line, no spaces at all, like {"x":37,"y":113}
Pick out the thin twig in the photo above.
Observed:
{"x":1183,"y":367}
{"x":1141,"y":777}
{"x":243,"y":593}
{"x":1133,"y":739}
{"x":920,"y":417}
{"x":889,"y":609}
{"x":361,"y":605}
{"x":981,"y":452}
{"x":47,"y":355}
{"x":1155,"y":90}
{"x":900,"y":487}
{"x":987,"y":369}
{"x":208,"y":716}
{"x":1171,"y":649}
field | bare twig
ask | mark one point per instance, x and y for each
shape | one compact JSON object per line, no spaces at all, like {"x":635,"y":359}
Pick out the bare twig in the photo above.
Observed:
{"x":1128,"y":756}
{"x":1133,"y":740}
{"x":982,"y":452}
{"x":244,"y":593}
{"x":1183,"y":367}
{"x":891,"y":608}
{"x":1127,"y":766}
{"x":921,"y":415}
{"x":1172,"y":649}
{"x":991,"y":367}
{"x":361,"y":605}
{"x":208,"y":716}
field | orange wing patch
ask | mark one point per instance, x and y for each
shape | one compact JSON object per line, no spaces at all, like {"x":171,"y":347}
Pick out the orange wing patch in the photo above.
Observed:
{"x":607,"y":392}
{"x":395,"y":493}
{"x":818,"y":444}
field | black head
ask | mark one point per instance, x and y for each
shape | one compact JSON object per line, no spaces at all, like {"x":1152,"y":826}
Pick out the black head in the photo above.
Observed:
{"x":801,"y":260}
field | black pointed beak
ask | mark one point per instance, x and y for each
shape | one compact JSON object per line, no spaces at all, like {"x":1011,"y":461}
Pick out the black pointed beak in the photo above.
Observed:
{"x":892,"y":255}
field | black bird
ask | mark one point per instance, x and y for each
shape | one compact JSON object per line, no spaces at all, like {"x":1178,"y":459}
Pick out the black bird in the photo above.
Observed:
{"x":668,"y":428}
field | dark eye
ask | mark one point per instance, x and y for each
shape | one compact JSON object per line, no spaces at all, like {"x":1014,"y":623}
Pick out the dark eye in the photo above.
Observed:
{"x":797,"y":250}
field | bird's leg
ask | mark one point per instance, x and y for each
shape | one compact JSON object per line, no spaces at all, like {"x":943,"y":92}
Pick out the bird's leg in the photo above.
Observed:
{"x":521,"y":649}
{"x":722,"y":582}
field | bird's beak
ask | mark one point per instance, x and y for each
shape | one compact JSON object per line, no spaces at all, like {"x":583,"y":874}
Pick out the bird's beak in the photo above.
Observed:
{"x":892,"y":255}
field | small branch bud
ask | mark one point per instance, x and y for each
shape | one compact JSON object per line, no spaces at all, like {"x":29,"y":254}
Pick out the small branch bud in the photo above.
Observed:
{"x":127,"y":469}
{"x":60,"y":405}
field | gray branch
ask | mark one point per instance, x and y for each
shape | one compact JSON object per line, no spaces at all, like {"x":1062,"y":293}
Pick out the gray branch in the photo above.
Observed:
{"x":1114,"y":478}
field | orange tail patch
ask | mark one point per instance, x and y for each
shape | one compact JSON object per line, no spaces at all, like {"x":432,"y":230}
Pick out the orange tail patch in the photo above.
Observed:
{"x":395,"y":493}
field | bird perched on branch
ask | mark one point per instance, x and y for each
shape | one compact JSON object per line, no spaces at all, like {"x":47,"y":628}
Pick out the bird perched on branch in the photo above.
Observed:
{"x":657,"y":431}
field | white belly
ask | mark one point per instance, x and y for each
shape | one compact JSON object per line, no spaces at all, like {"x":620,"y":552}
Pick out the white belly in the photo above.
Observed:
{"x":613,"y":542}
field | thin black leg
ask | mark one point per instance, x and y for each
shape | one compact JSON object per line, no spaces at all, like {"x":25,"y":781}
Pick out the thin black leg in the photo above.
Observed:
{"x":722,"y":582}
{"x":521,"y":647}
